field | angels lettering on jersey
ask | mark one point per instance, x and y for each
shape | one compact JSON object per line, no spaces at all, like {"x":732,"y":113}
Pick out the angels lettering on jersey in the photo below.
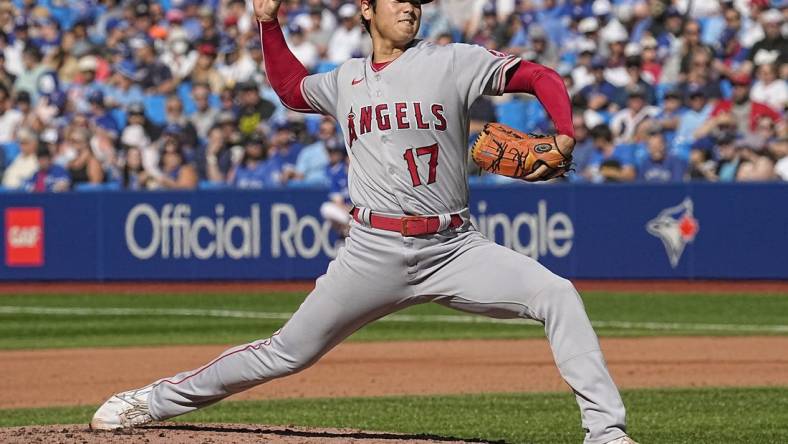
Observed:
{"x":396,"y":116}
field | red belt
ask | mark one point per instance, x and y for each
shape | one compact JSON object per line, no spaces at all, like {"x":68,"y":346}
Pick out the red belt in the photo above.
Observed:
{"x":408,"y":225}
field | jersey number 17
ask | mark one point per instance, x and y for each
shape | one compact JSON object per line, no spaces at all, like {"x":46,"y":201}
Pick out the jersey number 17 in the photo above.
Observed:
{"x":410,"y":158}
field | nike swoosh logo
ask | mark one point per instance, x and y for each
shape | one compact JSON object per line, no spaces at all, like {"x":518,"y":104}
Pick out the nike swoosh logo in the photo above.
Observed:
{"x":357,"y":81}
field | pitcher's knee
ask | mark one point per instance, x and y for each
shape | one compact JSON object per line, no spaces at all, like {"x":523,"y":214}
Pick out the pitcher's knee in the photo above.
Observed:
{"x":562,"y":293}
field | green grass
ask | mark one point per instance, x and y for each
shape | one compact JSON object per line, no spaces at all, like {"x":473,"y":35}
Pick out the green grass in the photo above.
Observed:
{"x":697,"y":314}
{"x":714,"y":416}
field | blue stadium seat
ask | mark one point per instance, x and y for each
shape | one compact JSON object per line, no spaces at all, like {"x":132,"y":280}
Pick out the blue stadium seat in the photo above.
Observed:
{"x":119,"y":114}
{"x":96,"y":187}
{"x":11,"y":151}
{"x":154,"y":108}
{"x":211,"y":185}
{"x":185,"y":94}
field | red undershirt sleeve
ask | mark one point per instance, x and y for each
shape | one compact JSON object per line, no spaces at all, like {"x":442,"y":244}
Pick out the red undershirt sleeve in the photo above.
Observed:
{"x":549,"y":88}
{"x":284,"y":71}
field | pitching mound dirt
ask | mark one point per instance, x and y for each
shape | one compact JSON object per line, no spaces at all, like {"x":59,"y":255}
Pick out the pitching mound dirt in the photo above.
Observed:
{"x":209,"y":433}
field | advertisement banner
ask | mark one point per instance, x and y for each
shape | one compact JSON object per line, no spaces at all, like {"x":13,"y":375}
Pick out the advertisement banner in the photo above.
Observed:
{"x":699,"y":231}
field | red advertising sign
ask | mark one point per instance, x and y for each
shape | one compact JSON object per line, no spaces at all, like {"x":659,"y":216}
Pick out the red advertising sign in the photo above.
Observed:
{"x":24,"y":237}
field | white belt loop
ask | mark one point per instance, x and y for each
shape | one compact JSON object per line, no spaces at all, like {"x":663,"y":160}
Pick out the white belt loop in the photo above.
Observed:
{"x":364,"y":214}
{"x":445,"y":220}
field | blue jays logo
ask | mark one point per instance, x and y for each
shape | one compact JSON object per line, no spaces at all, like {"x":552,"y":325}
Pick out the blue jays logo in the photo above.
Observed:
{"x":675,"y":227}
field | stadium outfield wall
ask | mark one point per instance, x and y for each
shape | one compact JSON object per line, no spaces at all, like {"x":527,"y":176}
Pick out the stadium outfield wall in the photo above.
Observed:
{"x":704,"y":231}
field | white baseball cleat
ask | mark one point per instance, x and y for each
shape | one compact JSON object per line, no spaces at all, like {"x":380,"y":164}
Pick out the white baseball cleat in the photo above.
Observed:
{"x":623,"y":440}
{"x":124,"y":410}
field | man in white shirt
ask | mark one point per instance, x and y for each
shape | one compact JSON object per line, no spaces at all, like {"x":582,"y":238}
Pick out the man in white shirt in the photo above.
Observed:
{"x":304,"y":50}
{"x":9,"y":118}
{"x":25,"y":164}
{"x":346,"y":40}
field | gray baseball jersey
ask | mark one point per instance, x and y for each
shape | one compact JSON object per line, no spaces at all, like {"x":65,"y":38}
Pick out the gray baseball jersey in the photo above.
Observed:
{"x":406,"y":130}
{"x":406,"y":125}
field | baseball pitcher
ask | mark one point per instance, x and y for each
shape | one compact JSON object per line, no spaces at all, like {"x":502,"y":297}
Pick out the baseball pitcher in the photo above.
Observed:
{"x":404,"y":115}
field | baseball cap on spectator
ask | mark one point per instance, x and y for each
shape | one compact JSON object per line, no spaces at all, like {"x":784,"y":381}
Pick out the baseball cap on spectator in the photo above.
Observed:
{"x":21,"y":24}
{"x":230,"y":20}
{"x":228,"y":46}
{"x":96,"y":97}
{"x":157,"y":32}
{"x":741,"y":79}
{"x":588,"y":24}
{"x":615,"y":34}
{"x":43,"y":151}
{"x":695,"y":91}
{"x":632,"y":50}
{"x":23,"y":97}
{"x":601,"y":7}
{"x":536,"y":32}
{"x":87,"y":63}
{"x":648,"y":42}
{"x":136,"y":108}
{"x":335,"y":144}
{"x":174,"y":16}
{"x":207,"y":49}
{"x":247,"y":85}
{"x":673,"y":93}
{"x":672,"y":12}
{"x":598,"y":63}
{"x":294,"y":28}
{"x":225,"y":117}
{"x":140,"y":41}
{"x":772,"y":16}
{"x":635,"y":91}
{"x":489,"y":9}
{"x":253,"y":45}
{"x":141,"y":9}
{"x":346,"y":11}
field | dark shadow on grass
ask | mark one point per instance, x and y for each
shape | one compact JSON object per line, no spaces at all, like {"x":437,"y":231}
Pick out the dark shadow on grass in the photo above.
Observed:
{"x":314,"y":434}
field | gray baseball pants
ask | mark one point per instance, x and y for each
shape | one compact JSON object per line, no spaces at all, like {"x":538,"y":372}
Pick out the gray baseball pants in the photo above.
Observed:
{"x":380,"y":272}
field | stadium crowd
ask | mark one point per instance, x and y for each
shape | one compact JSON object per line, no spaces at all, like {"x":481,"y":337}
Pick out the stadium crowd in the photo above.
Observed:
{"x":130,"y":94}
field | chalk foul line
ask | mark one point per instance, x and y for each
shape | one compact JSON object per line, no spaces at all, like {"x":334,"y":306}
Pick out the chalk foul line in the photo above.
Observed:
{"x":453,"y":319}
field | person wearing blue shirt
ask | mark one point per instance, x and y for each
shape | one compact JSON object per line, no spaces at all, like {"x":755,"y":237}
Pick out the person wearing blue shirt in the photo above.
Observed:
{"x":610,"y":162}
{"x":255,"y":171}
{"x":692,"y":118}
{"x":310,"y":166}
{"x":660,"y":166}
{"x":601,"y":93}
{"x":337,"y":209}
{"x":49,"y":177}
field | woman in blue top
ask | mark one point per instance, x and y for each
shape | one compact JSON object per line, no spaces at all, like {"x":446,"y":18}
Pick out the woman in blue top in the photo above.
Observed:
{"x":255,"y":171}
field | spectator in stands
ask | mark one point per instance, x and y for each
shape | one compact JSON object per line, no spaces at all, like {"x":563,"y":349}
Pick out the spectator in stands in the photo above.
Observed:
{"x":25,"y":163}
{"x":177,"y":174}
{"x":626,"y":121}
{"x":304,"y":50}
{"x":179,"y":55}
{"x":155,"y":77}
{"x":310,"y":167}
{"x":769,"y":88}
{"x":233,"y":67}
{"x":123,"y":89}
{"x":284,"y":148}
{"x":779,"y":150}
{"x":609,"y":163}
{"x":205,"y":71}
{"x":27,"y":79}
{"x":745,"y":112}
{"x":10,"y":118}
{"x":204,"y":116}
{"x":346,"y":40}
{"x":600,"y":96}
{"x":757,"y":164}
{"x":83,"y":167}
{"x":253,"y":109}
{"x":337,"y":209}
{"x":49,"y":177}
{"x":728,"y":158}
{"x":173,"y":112}
{"x":584,"y":147}
{"x":691,"y":119}
{"x":773,"y":47}
{"x":660,"y":166}
{"x":669,"y":115}
{"x":255,"y":170}
{"x":221,"y":154}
